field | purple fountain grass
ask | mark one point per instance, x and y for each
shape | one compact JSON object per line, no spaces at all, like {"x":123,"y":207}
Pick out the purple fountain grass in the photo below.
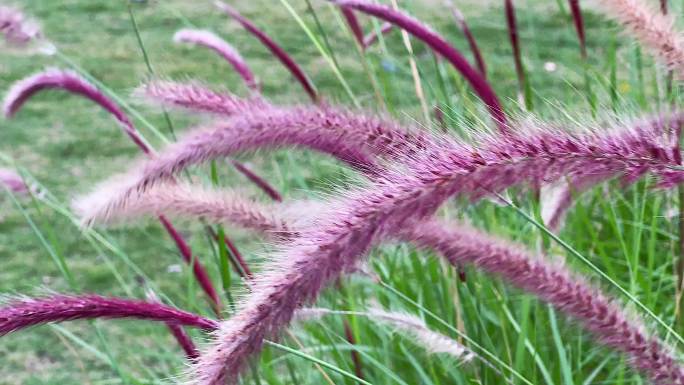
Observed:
{"x":22,"y":313}
{"x":655,"y":31}
{"x":210,"y":40}
{"x":353,"y":23}
{"x":567,"y":292}
{"x":13,"y":181}
{"x":481,"y":87}
{"x":73,"y":83}
{"x":405,"y":324}
{"x":474,"y":47}
{"x":196,"y":97}
{"x":356,"y":139}
{"x":185,"y":200}
{"x":372,"y":37}
{"x":578,"y":20}
{"x":512,"y":25}
{"x":663,"y":7}
{"x":402,"y":199}
{"x":275,"y":49}
{"x":17,"y":29}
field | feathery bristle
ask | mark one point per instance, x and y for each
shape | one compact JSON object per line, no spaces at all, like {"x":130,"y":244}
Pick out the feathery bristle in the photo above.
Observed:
{"x":212,"y":41}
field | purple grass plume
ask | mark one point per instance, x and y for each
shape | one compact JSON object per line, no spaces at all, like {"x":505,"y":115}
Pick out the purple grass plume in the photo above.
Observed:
{"x":474,"y":47}
{"x":372,"y":37}
{"x":13,"y":181}
{"x":177,"y":331}
{"x":416,"y":28}
{"x":73,"y":83}
{"x":653,"y":29}
{"x":402,"y":199}
{"x":258,"y":181}
{"x":25,"y":312}
{"x":578,"y":20}
{"x":210,"y":40}
{"x":567,"y":292}
{"x":195,"y":97}
{"x":353,"y":23}
{"x":353,"y":138}
{"x":275,"y":49}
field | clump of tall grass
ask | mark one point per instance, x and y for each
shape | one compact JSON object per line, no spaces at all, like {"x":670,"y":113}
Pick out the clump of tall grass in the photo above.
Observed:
{"x":410,"y":173}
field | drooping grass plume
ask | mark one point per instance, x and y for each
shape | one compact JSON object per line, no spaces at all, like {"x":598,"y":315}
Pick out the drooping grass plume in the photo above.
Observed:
{"x":210,"y":40}
{"x":416,"y":28}
{"x":275,"y":49}
{"x":556,"y":200}
{"x":372,"y":37}
{"x":567,"y":292}
{"x":474,"y":47}
{"x":185,"y":200}
{"x":356,"y":139}
{"x":654,"y":30}
{"x":404,"y":324}
{"x":13,"y":181}
{"x":25,"y":312}
{"x":258,"y":181}
{"x":196,"y":97}
{"x":73,"y":83}
{"x":402,"y":199}
{"x":16,"y":28}
{"x":578,"y":21}
{"x":353,"y":23}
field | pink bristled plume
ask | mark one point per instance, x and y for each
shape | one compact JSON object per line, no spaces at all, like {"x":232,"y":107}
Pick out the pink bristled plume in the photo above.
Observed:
{"x":73,"y":83}
{"x":210,"y":40}
{"x":403,"y":198}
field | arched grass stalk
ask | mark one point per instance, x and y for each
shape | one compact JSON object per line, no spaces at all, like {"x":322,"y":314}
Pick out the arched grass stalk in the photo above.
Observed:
{"x":275,"y":49}
{"x":212,"y":41}
{"x":73,"y":83}
{"x":441,"y":47}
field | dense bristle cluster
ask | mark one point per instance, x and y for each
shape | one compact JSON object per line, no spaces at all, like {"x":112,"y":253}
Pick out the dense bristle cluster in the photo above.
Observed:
{"x":410,"y":173}
{"x":16,"y":28}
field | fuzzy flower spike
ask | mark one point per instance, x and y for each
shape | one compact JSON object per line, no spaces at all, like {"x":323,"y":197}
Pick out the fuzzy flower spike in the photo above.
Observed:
{"x":404,"y":198}
{"x":210,"y":40}
{"x":73,"y":83}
